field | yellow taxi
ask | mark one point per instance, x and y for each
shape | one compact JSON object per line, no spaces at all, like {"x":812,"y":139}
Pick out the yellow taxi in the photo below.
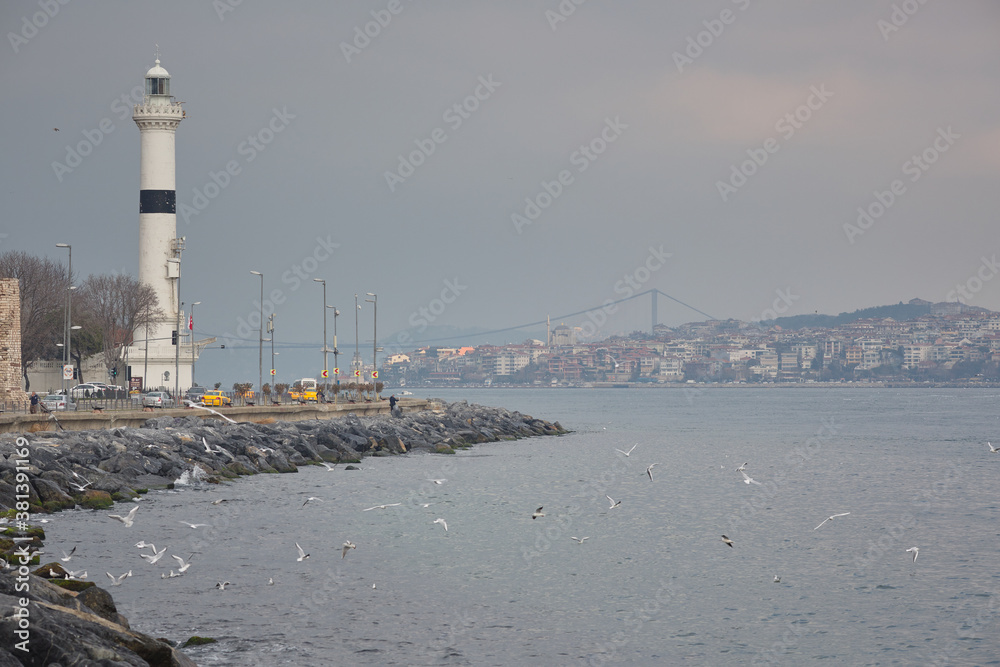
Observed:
{"x":215,"y":397}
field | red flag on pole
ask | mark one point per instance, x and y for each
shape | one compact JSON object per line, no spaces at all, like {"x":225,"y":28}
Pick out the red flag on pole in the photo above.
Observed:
{"x":190,"y":322}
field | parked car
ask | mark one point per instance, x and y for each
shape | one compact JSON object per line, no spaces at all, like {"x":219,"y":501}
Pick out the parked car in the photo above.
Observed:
{"x":194,"y":394}
{"x":215,"y":397}
{"x":157,"y":399}
{"x":54,"y":402}
{"x":85,"y":390}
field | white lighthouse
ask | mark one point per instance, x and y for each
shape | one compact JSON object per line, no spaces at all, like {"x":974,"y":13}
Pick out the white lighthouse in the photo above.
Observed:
{"x":155,"y":354}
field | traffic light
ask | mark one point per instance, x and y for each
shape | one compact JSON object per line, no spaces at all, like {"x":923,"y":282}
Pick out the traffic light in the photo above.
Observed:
{"x":114,"y":372}
{"x":173,"y":337}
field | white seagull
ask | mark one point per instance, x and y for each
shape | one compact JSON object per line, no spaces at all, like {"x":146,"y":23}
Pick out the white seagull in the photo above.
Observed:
{"x":380,"y":507}
{"x":172,"y":574}
{"x":538,"y":513}
{"x":202,"y":407}
{"x":916,"y":552}
{"x":649,"y":470}
{"x":79,"y":574}
{"x":629,"y":451}
{"x":580,"y":540}
{"x":831,"y":518}
{"x":438,"y":481}
{"x":157,"y":555}
{"x":742,"y":467}
{"x":79,"y":487}
{"x":67,"y":556}
{"x":128,"y":518}
{"x":270,"y":581}
{"x":328,"y":466}
{"x":747,"y":479}
{"x":993,"y":449}
{"x":310,"y":499}
{"x":348,"y":545}
{"x":184,"y":564}
{"x":219,"y":501}
{"x":222,"y":585}
{"x":194,"y":525}
{"x":118,"y":581}
{"x":442,"y":522}
{"x":727,"y":541}
{"x":614,"y":503}
{"x":777,"y":579}
{"x":302,"y":553}
{"x":142,"y":544}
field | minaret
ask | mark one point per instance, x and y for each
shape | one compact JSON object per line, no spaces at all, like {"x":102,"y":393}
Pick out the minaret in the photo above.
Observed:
{"x":159,"y":248}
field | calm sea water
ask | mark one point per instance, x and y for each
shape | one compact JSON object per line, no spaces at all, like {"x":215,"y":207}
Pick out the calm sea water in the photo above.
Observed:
{"x":654,"y":584}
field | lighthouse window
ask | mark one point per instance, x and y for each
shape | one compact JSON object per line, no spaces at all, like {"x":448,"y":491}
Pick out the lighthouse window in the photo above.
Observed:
{"x":157,"y":86}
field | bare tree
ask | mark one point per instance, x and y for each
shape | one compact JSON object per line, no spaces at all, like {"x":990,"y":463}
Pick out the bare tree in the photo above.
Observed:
{"x":118,"y":304}
{"x":43,"y":285}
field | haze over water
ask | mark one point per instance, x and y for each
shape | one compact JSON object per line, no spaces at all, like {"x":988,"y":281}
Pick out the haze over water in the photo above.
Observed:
{"x":653,"y":584}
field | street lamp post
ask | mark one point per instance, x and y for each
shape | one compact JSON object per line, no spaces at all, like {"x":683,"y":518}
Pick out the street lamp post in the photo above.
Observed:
{"x":260,"y":339}
{"x":270,"y":331}
{"x":325,"y":349}
{"x":191,"y":329}
{"x":357,"y":356}
{"x":374,"y":301}
{"x":336,"y":353}
{"x":69,"y":305}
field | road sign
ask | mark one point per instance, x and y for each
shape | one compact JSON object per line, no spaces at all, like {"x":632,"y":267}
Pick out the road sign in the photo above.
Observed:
{"x":374,"y":374}
{"x":67,"y":371}
{"x":336,"y":371}
{"x":273,"y":372}
{"x":325,"y":374}
{"x":357,"y":374}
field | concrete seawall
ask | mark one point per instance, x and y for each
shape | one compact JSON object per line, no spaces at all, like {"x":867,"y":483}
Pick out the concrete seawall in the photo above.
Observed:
{"x":89,"y":420}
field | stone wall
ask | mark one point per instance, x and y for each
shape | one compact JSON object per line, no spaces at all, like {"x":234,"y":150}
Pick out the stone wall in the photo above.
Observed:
{"x":11,"y":381}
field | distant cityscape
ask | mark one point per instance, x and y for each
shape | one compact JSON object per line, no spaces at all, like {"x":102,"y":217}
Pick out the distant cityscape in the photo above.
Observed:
{"x":916,"y":342}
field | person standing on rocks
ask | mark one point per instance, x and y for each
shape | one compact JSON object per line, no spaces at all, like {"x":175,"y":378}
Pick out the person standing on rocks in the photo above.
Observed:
{"x":34,"y":403}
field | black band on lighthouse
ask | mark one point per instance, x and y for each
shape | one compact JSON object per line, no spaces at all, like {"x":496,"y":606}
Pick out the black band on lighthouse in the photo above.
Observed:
{"x":157,"y":201}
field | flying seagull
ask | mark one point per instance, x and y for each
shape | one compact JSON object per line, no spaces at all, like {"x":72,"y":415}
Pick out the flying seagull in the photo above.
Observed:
{"x":579,"y":540}
{"x":67,"y":556}
{"x":302,"y":553}
{"x":831,"y":518}
{"x":80,"y":487}
{"x":649,"y":471}
{"x":629,"y":451}
{"x":142,"y":544}
{"x":172,"y":574}
{"x":310,"y":499}
{"x":184,"y":564}
{"x":381,"y":507}
{"x":128,"y":518}
{"x":747,"y":479}
{"x":916,"y":552}
{"x":118,"y":581}
{"x":727,"y":540}
{"x":742,"y":467}
{"x":328,"y":466}
{"x":193,"y":525}
{"x":993,"y":450}
{"x":79,"y":574}
{"x":202,"y":407}
{"x":348,"y":545}
{"x":438,"y":481}
{"x":777,"y":579}
{"x":538,"y":513}
{"x":614,"y":503}
{"x":222,"y":585}
{"x":156,"y":555}
{"x":442,"y":522}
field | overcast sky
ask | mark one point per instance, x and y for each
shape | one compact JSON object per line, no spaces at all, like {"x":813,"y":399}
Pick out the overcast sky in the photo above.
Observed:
{"x":716,"y":151}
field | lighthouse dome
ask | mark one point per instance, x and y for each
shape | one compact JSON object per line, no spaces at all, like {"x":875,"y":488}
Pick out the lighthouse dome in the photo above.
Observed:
{"x":157,"y":72}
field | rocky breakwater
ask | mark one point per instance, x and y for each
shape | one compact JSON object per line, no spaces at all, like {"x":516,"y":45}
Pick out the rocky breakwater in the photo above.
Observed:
{"x":96,"y":468}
